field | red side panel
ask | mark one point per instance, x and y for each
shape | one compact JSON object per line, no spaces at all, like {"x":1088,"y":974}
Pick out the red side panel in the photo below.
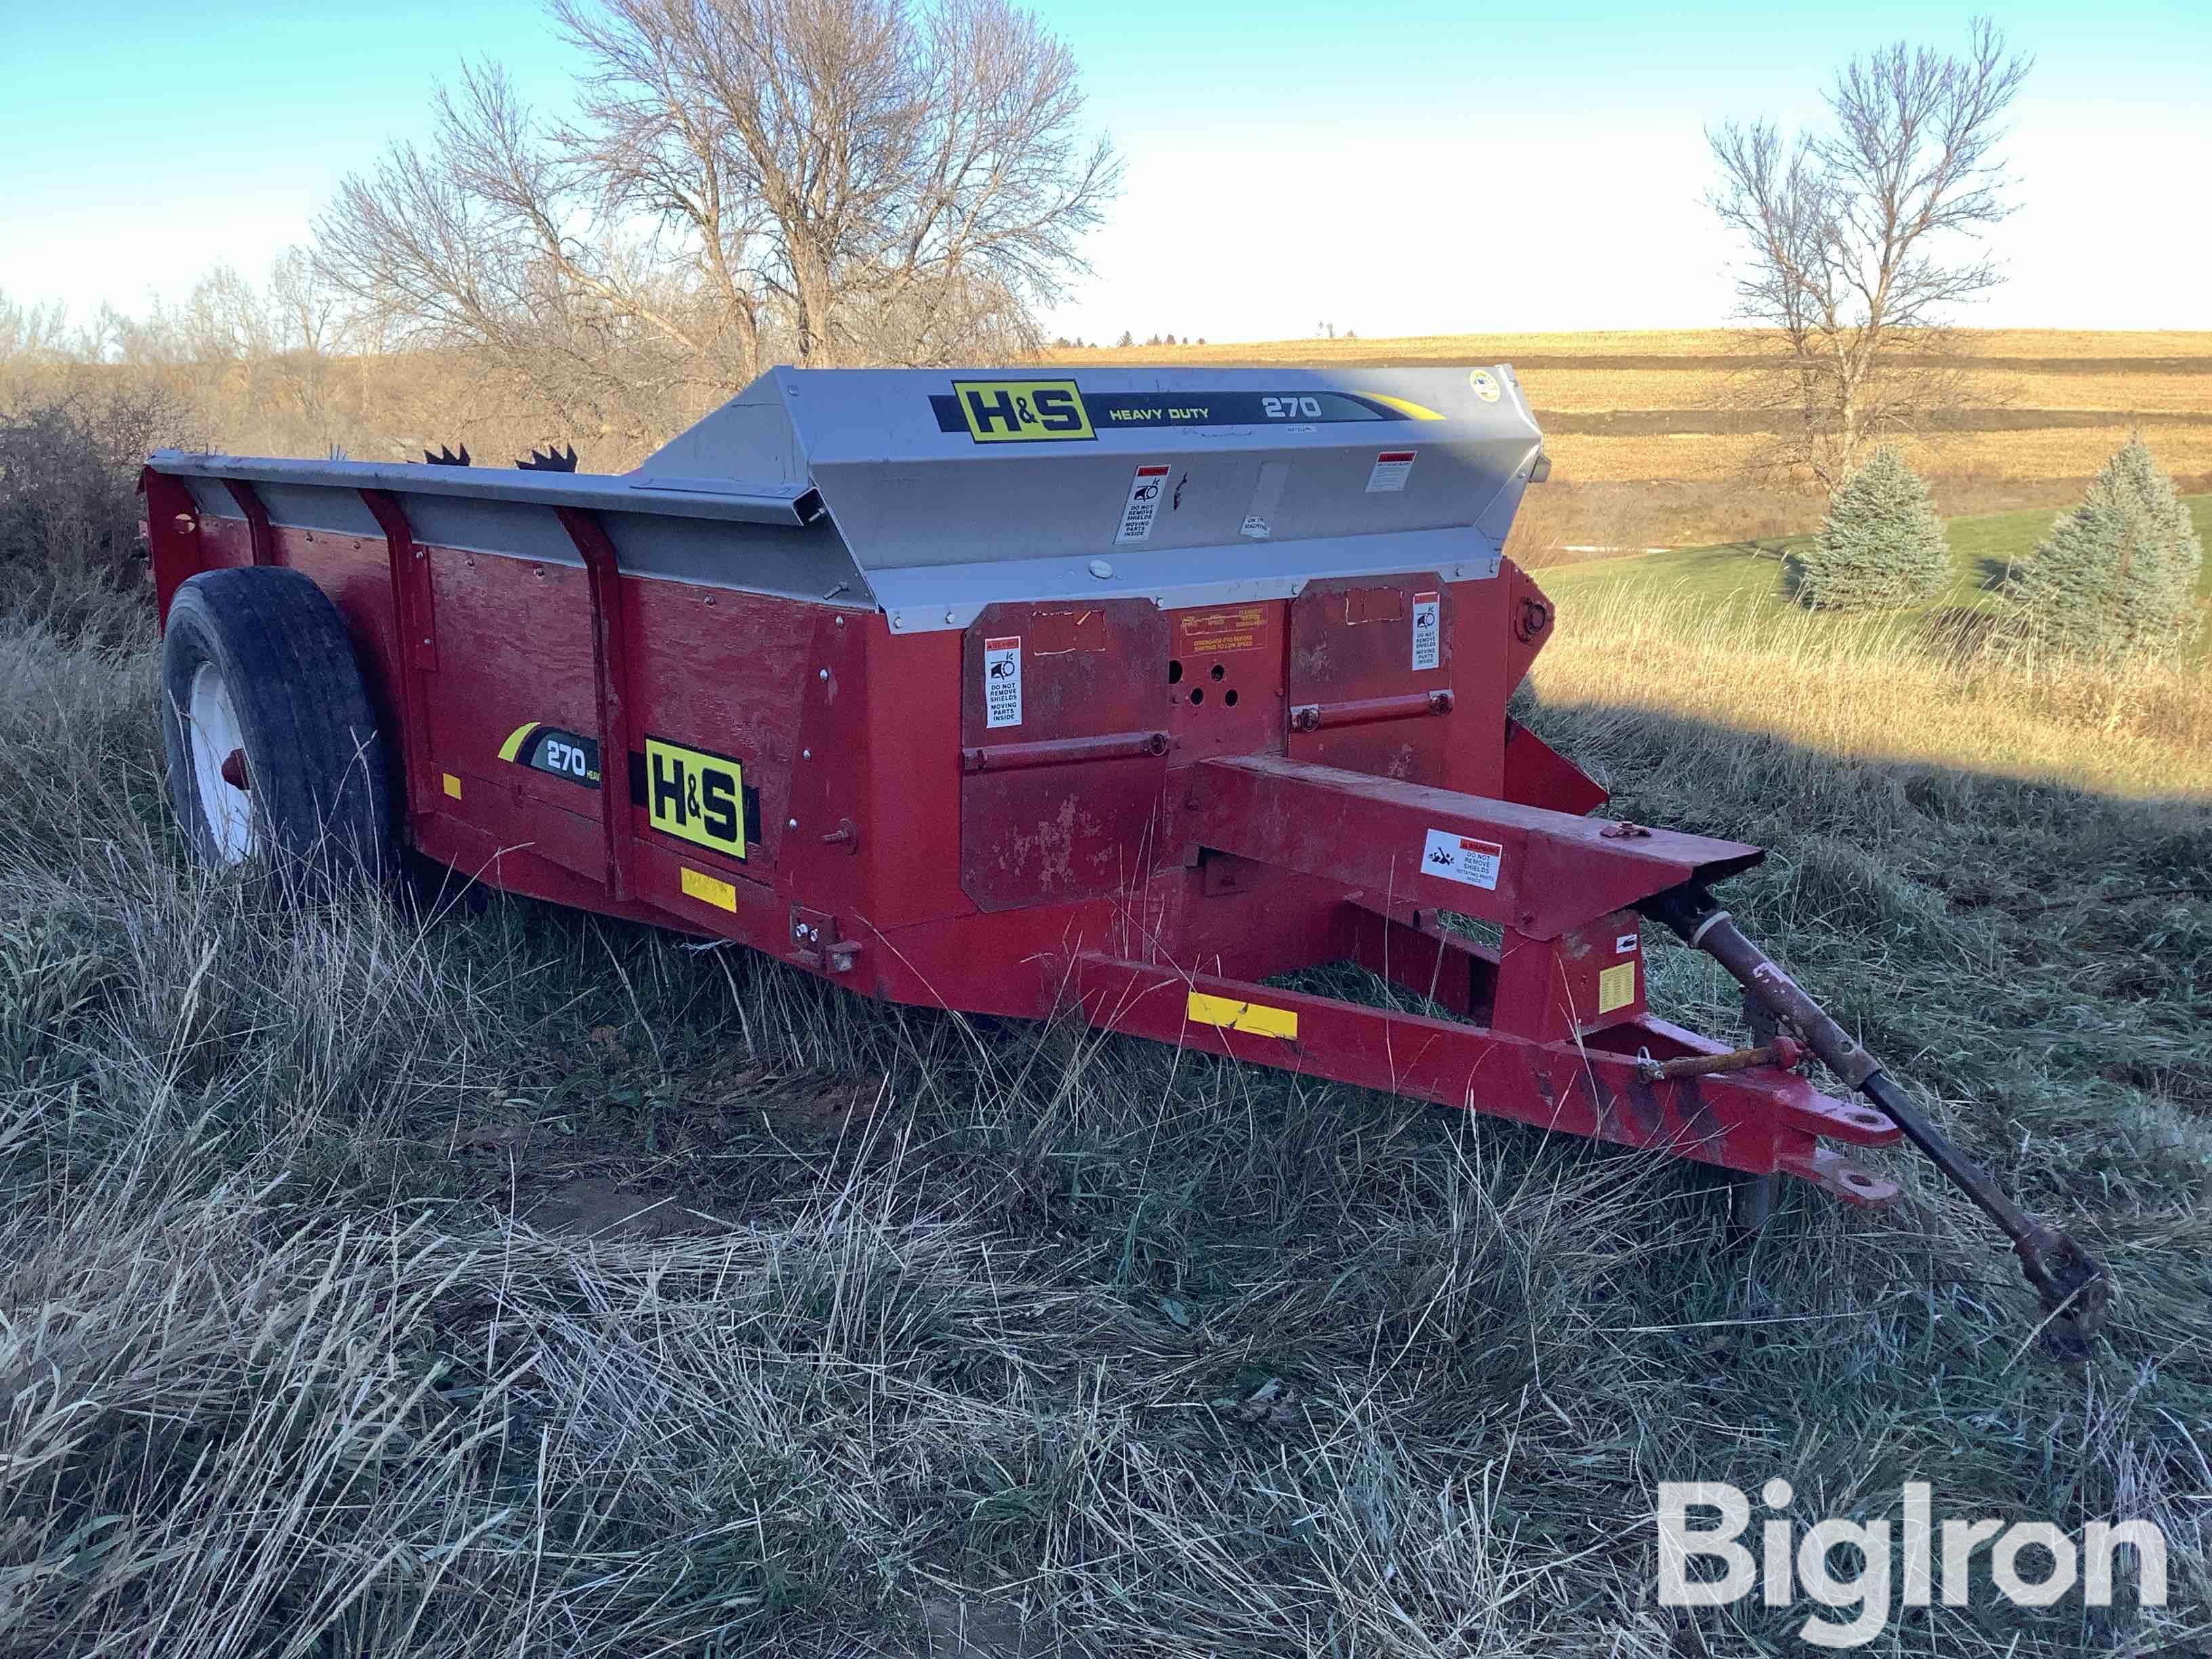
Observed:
{"x":512,"y":640}
{"x":1060,"y":790}
{"x":1358,"y":642}
{"x":514,"y":646}
{"x":1224,"y":690}
{"x":720,"y":672}
{"x":1528,"y":620}
{"x":224,"y":543}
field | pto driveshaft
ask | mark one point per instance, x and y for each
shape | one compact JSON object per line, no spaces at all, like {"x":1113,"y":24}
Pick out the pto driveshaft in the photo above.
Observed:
{"x":2072,"y":1286}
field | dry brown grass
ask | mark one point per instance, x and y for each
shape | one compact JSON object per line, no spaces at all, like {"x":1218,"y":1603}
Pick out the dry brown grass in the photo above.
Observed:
{"x":1074,"y":1345}
{"x":1876,"y":692}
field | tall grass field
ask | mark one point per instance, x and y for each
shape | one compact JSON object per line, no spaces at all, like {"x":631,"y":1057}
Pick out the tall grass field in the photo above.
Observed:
{"x":441,"y":1274}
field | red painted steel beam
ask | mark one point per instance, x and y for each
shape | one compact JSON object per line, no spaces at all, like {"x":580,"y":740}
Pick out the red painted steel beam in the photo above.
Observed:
{"x":417,"y":648}
{"x":1062,"y":751}
{"x":258,"y":535}
{"x":610,"y":669}
{"x":1549,"y":871}
{"x":1759,"y":1122}
{"x":1369,"y":711}
{"x":173,"y":532}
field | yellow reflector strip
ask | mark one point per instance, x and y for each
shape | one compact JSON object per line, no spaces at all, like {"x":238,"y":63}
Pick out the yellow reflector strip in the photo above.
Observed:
{"x":1616,"y":987}
{"x":1234,"y":1016}
{"x":452,"y":786}
{"x":1404,"y":406}
{"x":708,"y":890}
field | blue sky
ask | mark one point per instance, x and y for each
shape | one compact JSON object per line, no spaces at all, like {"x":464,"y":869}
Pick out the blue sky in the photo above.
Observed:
{"x":1392,"y":168}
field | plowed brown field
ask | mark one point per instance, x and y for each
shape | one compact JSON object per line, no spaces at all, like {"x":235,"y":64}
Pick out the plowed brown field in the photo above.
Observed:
{"x":2045,"y":405}
{"x":1649,"y":448}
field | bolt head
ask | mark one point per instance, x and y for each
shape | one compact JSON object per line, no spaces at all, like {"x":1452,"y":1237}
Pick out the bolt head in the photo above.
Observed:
{"x":791,"y":823}
{"x":1100,"y":568}
{"x":821,"y":673}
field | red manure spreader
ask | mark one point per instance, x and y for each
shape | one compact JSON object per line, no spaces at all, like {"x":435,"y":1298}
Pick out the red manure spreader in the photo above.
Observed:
{"x":1128,"y":690}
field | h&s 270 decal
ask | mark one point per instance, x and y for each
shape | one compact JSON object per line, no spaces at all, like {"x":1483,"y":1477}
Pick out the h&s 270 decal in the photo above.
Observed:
{"x":1010,"y":411}
{"x":695,"y":795}
{"x":1044,"y":411}
{"x":568,"y":755}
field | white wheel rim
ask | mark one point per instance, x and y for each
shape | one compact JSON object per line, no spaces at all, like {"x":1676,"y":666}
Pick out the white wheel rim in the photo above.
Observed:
{"x":226,"y":809}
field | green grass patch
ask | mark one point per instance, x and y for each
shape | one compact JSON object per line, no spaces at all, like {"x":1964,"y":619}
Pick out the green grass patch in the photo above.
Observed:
{"x":1756,"y":574}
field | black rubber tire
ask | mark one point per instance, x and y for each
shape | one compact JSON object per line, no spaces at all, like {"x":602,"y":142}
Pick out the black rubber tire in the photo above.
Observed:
{"x":313,"y":759}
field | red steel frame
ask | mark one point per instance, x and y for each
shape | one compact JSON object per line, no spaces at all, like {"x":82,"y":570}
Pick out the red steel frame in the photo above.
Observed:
{"x":1196,"y":801}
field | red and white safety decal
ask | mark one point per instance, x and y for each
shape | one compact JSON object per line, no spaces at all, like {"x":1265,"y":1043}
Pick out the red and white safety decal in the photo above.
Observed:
{"x":1148,"y":493}
{"x":1002,"y":681}
{"x":1462,"y":858}
{"x":1392,"y":468}
{"x":1428,"y":645}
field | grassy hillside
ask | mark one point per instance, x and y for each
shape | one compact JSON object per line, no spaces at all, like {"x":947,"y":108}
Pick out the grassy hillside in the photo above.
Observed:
{"x":1752,"y":577}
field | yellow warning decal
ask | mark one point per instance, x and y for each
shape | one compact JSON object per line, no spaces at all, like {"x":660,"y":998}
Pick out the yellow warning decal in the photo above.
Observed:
{"x":452,"y":786}
{"x":1405,"y":406}
{"x":698,"y":884}
{"x":1234,"y":1016}
{"x":1616,"y":987}
{"x":1022,"y":411}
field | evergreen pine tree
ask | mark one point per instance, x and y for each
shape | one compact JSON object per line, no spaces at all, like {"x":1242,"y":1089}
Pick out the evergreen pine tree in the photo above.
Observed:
{"x":2119,"y":572}
{"x":1880,"y":548}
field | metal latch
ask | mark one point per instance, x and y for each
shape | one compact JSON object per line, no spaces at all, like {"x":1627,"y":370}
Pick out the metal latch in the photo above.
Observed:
{"x":817,"y":942}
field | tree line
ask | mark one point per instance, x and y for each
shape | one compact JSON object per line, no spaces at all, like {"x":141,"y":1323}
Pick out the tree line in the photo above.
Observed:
{"x":742,"y":182}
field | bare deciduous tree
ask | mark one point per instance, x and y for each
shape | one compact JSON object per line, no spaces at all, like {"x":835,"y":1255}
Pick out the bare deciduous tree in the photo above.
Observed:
{"x":838,"y":180}
{"x":1854,"y":258}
